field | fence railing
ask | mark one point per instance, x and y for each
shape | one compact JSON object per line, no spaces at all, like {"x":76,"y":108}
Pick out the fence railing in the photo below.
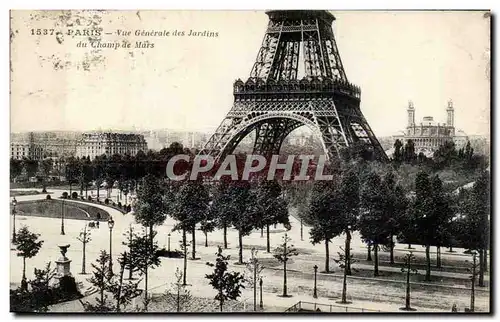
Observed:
{"x":302,"y":306}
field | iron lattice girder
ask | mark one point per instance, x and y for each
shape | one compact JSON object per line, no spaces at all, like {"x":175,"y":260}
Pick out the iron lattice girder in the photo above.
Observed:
{"x":273,"y":102}
{"x":286,"y":34}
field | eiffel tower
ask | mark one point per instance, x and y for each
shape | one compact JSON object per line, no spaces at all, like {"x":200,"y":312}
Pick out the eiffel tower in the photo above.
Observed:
{"x":273,"y":101}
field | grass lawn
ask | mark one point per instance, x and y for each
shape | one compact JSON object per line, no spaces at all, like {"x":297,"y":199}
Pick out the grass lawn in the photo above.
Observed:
{"x":53,"y":208}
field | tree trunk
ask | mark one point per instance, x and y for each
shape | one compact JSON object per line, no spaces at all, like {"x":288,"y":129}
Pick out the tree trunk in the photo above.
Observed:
{"x":391,"y":254}
{"x":369,"y":256}
{"x":438,"y":257}
{"x":451,"y":249}
{"x":254,"y":288}
{"x":344,"y":284}
{"x":86,"y":192}
{"x":206,"y":239}
{"x":97,"y":191}
{"x":375,"y":254}
{"x":284,"y":279}
{"x":70,"y":190}
{"x":185,"y":256}
{"x":193,"y":247}
{"x":428,"y":263}
{"x":23,"y":280}
{"x":481,"y":268}
{"x":122,"y":267}
{"x":407,"y":304}
{"x":240,"y":241}
{"x":225,"y":237}
{"x":83,"y":255}
{"x":178,"y":298}
{"x":268,"y":245}
{"x":348,"y":252}
{"x":485,"y":260}
{"x":327,"y":254}
{"x":261,"y":231}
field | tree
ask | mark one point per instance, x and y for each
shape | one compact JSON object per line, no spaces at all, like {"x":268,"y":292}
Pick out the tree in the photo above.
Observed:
{"x":373,"y":220}
{"x":324,"y":209}
{"x":409,"y":258}
{"x":38,"y":297}
{"x":189,"y":206}
{"x":423,"y":207}
{"x":243,"y":208}
{"x":71,"y":172}
{"x":220,"y":207}
{"x":395,"y":208}
{"x":149,"y":211}
{"x":105,"y":283}
{"x":131,"y":264}
{"x":178,"y":296}
{"x":347,"y":219}
{"x":98,"y":172}
{"x":255,"y":268}
{"x":344,"y":263}
{"x":145,"y":256}
{"x":16,"y":167}
{"x":398,"y":151}
{"x":207,"y":225}
{"x":100,"y":279}
{"x":227,"y":284}
{"x":84,"y":238}
{"x":409,"y":152}
{"x":442,"y":214}
{"x":475,"y":222}
{"x":123,"y":293}
{"x":27,"y":246}
{"x":283,"y":253}
{"x":272,"y":207}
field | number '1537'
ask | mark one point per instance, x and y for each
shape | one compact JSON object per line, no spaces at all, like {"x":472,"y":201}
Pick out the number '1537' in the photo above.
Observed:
{"x":40,"y":32}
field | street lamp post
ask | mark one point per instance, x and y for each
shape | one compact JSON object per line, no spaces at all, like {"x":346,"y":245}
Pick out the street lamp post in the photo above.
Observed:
{"x":315,"y":293}
{"x":261,"y":303}
{"x":111,"y":224}
{"x":14,"y":203}
{"x":62,"y":217}
{"x":169,"y":242}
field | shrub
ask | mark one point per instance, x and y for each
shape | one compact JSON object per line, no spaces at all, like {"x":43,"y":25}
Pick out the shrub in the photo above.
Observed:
{"x":65,"y":195}
{"x":114,"y":205}
{"x":74,"y":195}
{"x":106,"y":201}
{"x":48,"y":197}
{"x":82,"y":197}
{"x":44,"y":190}
{"x":119,"y":205}
{"x":89,"y":198}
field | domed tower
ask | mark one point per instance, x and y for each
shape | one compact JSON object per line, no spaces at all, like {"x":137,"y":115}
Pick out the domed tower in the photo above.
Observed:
{"x":450,"y":120}
{"x":411,"y":116}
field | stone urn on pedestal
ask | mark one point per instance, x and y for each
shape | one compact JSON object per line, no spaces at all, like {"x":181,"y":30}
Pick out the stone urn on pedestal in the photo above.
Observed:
{"x":63,"y":263}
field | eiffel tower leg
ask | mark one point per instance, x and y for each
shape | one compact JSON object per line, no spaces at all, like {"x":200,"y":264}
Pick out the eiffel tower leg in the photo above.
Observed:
{"x":271,"y":134}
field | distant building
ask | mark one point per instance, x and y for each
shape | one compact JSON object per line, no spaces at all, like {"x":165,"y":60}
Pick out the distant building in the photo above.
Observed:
{"x":26,"y":148}
{"x":99,"y":143}
{"x":429,"y":135}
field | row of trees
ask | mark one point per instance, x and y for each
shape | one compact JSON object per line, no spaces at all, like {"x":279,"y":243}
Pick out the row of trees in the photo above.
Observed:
{"x":377,"y":206}
{"x":447,"y":156}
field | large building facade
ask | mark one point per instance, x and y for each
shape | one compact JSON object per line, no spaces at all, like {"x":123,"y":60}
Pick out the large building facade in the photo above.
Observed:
{"x":429,"y":135}
{"x":99,"y":143}
{"x":25,"y":148}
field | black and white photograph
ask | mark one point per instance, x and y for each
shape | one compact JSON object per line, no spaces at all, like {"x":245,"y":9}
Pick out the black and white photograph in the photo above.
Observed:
{"x":250,"y":161}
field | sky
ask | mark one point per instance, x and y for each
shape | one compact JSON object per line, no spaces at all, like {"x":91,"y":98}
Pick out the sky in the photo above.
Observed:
{"x":185,"y":83}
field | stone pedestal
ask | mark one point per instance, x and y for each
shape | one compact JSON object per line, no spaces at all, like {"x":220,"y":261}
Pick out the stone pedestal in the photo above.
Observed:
{"x":63,"y":263}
